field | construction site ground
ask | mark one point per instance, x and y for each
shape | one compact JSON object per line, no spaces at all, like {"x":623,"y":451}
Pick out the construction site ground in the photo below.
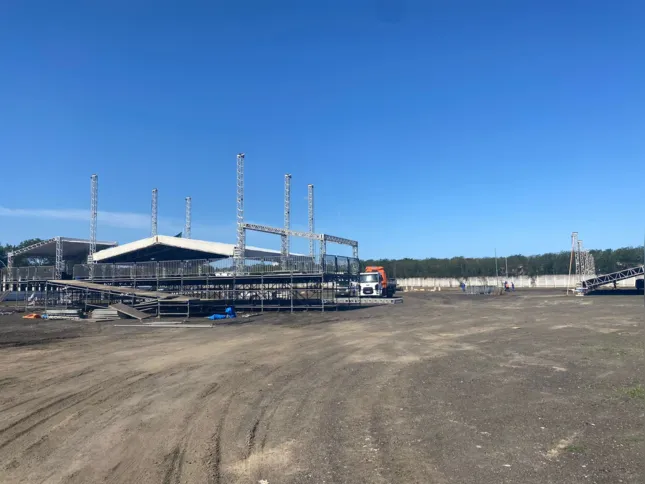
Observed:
{"x":530,"y":387}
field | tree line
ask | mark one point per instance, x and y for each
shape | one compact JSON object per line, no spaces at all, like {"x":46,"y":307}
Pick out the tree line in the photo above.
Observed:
{"x":515,"y":265}
{"x":459,"y":267}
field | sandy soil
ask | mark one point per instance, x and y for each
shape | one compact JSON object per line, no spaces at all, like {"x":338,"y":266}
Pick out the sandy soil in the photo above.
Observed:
{"x":533,"y":388}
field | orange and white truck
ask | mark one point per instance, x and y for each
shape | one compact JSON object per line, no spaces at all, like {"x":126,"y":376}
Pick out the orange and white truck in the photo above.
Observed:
{"x":374,"y":282}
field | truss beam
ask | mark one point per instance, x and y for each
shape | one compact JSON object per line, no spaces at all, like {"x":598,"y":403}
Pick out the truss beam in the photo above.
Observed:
{"x":595,"y":282}
{"x":280,"y":231}
{"x":31,"y":247}
{"x":323,"y":238}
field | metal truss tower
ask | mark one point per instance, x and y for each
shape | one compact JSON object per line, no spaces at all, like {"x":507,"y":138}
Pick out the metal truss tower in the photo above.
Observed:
{"x":94,"y":199}
{"x":187,"y":226}
{"x":310,"y":209}
{"x":576,"y":247}
{"x":153,"y":228}
{"x":585,"y":263}
{"x":285,"y":239}
{"x":60,"y":264}
{"x":240,"y":247}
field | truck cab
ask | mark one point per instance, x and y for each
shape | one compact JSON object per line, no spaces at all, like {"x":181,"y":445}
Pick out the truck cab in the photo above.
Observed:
{"x":377,"y":282}
{"x":371,"y":284}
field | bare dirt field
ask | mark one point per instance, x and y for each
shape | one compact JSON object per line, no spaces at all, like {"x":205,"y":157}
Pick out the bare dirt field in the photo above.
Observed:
{"x":446,"y":388}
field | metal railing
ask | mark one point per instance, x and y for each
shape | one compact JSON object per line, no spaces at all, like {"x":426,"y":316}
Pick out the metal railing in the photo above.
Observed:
{"x":28,"y":273}
{"x":219,"y":268}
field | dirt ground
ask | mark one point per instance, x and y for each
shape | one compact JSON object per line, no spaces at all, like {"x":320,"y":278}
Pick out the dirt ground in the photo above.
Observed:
{"x":446,"y":388}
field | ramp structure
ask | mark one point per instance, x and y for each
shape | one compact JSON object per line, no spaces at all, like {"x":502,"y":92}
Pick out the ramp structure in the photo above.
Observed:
{"x":116,"y":290}
{"x":596,"y":282}
{"x":129,"y":311}
{"x":91,"y":295}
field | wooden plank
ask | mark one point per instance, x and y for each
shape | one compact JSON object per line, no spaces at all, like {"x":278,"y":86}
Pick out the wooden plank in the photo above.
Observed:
{"x":92,"y":286}
{"x":129,"y":311}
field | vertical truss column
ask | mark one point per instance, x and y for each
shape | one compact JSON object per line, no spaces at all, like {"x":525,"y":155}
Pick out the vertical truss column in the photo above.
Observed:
{"x":58,"y":268}
{"x":576,"y":247}
{"x":153,"y":222}
{"x":284,"y":239}
{"x":94,"y":198}
{"x":574,"y":238}
{"x":10,"y":265}
{"x":240,"y":247}
{"x":310,"y":210}
{"x":355,"y":251}
{"x":187,"y":226}
{"x":323,"y":249}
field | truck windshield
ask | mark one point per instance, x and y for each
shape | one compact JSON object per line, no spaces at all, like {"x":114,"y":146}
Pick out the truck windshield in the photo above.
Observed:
{"x":369,"y":277}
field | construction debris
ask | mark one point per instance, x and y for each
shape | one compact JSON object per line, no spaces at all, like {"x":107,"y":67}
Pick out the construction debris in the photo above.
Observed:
{"x":67,"y":314}
{"x":104,"y":314}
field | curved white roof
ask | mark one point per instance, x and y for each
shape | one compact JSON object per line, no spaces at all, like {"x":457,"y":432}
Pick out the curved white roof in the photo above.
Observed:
{"x":205,"y":248}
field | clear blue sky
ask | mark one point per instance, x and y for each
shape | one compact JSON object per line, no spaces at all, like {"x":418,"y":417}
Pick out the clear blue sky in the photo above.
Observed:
{"x":430,"y":129}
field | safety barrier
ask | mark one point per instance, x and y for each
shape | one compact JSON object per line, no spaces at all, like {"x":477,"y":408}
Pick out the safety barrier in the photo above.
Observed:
{"x":331,"y":264}
{"x":28,"y":273}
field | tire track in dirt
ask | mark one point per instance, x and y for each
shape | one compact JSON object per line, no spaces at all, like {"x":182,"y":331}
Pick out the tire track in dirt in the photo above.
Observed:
{"x":174,"y":462}
{"x":328,"y":361}
{"x":343,"y":421}
{"x":259,"y":431}
{"x":217,"y":452}
{"x":173,"y":473}
{"x":17,"y":404}
{"x":36,"y":418}
{"x":110,"y":403}
{"x":215,"y":465}
{"x":271,"y":403}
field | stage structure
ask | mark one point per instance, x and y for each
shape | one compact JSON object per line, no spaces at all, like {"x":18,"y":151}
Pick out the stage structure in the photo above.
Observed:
{"x":180,"y":275}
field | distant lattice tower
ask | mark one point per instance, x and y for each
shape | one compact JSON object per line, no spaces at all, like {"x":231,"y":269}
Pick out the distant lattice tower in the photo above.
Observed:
{"x":94,"y":199}
{"x":153,"y":216}
{"x":285,"y":239}
{"x":240,"y":247}
{"x":310,"y":210}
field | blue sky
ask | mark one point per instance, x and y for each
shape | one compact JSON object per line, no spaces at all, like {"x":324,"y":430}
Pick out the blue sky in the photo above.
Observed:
{"x":429,"y":129}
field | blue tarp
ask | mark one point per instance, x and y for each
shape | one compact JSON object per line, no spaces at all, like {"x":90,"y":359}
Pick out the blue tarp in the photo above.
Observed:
{"x":228,"y":313}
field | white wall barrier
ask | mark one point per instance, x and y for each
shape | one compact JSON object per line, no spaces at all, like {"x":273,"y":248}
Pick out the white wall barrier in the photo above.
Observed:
{"x":546,"y":281}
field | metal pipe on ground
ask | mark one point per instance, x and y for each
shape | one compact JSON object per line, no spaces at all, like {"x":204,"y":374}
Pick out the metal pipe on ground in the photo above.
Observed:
{"x":164,"y":325}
